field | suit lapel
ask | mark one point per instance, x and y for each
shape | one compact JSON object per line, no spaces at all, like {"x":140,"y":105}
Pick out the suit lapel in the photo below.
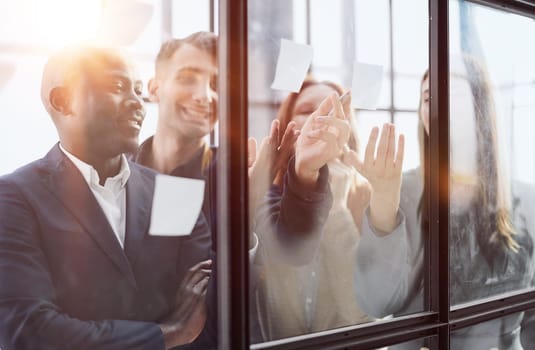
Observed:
{"x":68,"y":185}
{"x":139,"y":192}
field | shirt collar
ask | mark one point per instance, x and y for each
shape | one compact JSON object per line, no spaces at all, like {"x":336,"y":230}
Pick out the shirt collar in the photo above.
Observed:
{"x":90,"y":175}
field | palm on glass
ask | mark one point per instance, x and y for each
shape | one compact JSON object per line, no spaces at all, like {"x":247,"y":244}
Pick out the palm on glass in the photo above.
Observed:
{"x":268,"y":160}
{"x":382,"y":167}
{"x":187,"y":319}
{"x":322,"y":139}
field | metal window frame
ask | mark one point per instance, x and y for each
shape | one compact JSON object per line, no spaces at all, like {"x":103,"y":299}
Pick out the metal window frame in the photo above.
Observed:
{"x":233,"y":294}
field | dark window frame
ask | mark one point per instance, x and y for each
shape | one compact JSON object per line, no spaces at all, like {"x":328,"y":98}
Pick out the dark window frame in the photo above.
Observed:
{"x":233,"y":294}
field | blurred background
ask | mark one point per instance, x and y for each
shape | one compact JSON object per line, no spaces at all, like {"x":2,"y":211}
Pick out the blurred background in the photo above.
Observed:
{"x":390,"y":33}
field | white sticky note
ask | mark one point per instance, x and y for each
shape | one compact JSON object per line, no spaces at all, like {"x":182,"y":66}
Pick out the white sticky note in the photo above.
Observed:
{"x":176,"y":205}
{"x":292,"y":66}
{"x":366,"y":86}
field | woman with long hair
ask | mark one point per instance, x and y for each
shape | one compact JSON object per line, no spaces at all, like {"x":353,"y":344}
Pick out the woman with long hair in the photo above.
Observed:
{"x":491,"y":247}
{"x":318,"y":295}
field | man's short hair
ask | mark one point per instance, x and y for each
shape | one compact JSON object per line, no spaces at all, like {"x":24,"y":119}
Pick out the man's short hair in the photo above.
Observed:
{"x":204,"y":41}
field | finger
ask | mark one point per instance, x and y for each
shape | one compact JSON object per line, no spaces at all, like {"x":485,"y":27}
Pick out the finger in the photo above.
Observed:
{"x":369,"y":154}
{"x":346,"y":104}
{"x":338,"y":110}
{"x":391,"y":149}
{"x":287,"y":136}
{"x":401,"y":151}
{"x":285,"y":152}
{"x":265,"y":151}
{"x":201,"y":287}
{"x":199,"y":275}
{"x":274,"y":134}
{"x":382,"y":148}
{"x":251,"y":151}
{"x":274,"y":131}
{"x":205,"y":264}
{"x":325,"y":105}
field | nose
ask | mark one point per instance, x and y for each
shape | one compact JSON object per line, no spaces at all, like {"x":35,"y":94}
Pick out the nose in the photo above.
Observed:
{"x":135,"y":103}
{"x":203,"y":93}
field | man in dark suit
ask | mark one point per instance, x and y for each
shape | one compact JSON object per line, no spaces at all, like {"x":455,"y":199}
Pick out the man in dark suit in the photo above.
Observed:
{"x":78,"y":269}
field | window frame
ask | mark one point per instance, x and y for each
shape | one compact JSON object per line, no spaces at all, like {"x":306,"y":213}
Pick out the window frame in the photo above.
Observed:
{"x":233,"y":293}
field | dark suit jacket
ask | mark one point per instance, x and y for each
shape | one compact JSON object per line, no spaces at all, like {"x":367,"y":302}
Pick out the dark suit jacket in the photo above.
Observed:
{"x":65,"y":282}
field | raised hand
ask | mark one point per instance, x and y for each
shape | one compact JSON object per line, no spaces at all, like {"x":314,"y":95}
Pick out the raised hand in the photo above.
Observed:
{"x":384,"y":172}
{"x":188,"y":317}
{"x":271,"y":159}
{"x":322,"y":139}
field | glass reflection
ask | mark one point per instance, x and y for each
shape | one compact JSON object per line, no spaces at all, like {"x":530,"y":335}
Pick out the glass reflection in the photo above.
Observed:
{"x":491,"y":242}
{"x":325,"y":288}
{"x":319,"y":295}
{"x":502,"y":334}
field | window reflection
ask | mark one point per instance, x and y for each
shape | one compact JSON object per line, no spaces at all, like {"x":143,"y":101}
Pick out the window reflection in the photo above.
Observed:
{"x":509,"y":332}
{"x":491,"y":243}
{"x":320,"y":292}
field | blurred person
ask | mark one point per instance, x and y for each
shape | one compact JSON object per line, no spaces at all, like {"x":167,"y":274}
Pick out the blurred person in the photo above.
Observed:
{"x":78,"y":269}
{"x":184,"y":87}
{"x":319,"y":294}
{"x":491,"y":244}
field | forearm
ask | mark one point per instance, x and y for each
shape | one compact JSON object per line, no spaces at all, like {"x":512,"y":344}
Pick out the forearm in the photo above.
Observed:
{"x":174,"y":335}
{"x":28,"y":324}
{"x":291,"y":221}
{"x":383,"y":212}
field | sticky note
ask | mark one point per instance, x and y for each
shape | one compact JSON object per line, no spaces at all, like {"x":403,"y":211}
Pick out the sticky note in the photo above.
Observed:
{"x":292,"y":66}
{"x":176,"y":205}
{"x":366,"y":85}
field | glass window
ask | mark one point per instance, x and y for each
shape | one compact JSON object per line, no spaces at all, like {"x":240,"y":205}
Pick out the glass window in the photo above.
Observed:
{"x":491,"y":153}
{"x":317,"y":285}
{"x":407,"y":124}
{"x":142,"y":279}
{"x":509,"y":332}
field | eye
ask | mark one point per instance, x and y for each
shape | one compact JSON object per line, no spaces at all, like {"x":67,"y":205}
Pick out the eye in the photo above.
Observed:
{"x":213,"y":83}
{"x":117,"y":86}
{"x":186,"y":78}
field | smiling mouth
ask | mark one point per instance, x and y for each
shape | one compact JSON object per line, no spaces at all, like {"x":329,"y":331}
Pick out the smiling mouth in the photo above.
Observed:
{"x":196,"y":114}
{"x":134,"y":121}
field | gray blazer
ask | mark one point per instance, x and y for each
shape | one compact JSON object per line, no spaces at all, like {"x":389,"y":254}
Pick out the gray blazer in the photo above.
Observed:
{"x":390,"y":269}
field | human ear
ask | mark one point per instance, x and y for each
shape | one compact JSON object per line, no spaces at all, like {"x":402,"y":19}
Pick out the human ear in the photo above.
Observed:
{"x":60,"y":100}
{"x":154,"y":88}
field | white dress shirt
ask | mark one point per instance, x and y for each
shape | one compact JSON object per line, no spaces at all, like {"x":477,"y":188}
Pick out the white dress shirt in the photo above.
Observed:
{"x":111,"y":197}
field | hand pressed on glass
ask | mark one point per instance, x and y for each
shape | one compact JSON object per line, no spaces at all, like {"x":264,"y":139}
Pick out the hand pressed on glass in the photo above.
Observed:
{"x":382,"y":166}
{"x":322,"y":138}
{"x":188,"y":317}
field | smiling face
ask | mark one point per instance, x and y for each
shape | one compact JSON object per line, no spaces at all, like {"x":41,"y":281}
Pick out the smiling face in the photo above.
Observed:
{"x":106,"y":110}
{"x":185,"y":89}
